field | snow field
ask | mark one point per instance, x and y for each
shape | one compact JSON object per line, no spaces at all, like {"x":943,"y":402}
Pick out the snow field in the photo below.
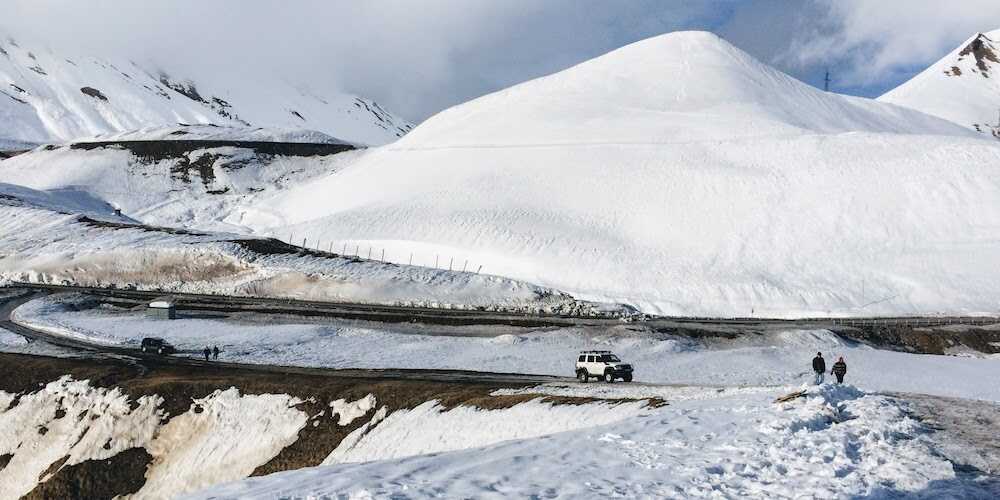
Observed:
{"x":152,"y":193}
{"x":777,"y":358}
{"x":633,"y":224}
{"x":838,"y":442}
{"x":8,"y":339}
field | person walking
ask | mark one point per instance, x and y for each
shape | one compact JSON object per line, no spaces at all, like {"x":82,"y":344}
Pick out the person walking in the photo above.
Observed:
{"x":839,"y":369}
{"x":819,"y":367}
{"x":207,"y":352}
{"x":215,"y":352}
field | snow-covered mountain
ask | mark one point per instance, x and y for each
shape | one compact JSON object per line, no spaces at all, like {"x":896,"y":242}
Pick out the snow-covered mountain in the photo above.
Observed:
{"x":681,"y":175}
{"x":53,"y":97}
{"x":963,"y":87}
{"x":197,"y":176}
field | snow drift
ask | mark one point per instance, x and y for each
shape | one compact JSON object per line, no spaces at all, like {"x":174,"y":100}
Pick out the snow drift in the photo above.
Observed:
{"x":963,"y":86}
{"x":48,"y":96}
{"x":681,"y":175}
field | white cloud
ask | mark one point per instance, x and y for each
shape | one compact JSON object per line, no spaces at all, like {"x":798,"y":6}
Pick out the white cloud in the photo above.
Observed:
{"x":872,"y":41}
{"x":418,"y":57}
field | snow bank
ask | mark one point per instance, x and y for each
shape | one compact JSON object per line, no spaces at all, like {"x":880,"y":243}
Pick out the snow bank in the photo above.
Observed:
{"x":837,"y":443}
{"x":42,"y":243}
{"x":428,"y":428}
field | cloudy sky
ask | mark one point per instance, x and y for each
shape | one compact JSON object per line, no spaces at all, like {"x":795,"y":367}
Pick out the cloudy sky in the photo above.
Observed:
{"x":420,"y":56}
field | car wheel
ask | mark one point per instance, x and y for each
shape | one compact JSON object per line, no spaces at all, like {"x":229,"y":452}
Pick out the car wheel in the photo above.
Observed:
{"x":609,"y":378}
{"x":581,"y":375}
{"x":627,"y":378}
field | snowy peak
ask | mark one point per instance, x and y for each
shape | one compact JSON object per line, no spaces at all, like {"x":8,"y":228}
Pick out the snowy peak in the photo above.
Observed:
{"x":963,"y":87}
{"x":678,"y":87}
{"x":50,"y":97}
{"x":981,"y":54}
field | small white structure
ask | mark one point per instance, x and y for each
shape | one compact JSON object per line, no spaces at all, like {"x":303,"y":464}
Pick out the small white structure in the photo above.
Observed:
{"x":163,"y":309}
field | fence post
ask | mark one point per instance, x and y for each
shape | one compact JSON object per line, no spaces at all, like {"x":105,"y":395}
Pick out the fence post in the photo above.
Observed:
{"x":463,"y":265}
{"x":450,"y":262}
{"x":383,"y":255}
{"x":411,"y":258}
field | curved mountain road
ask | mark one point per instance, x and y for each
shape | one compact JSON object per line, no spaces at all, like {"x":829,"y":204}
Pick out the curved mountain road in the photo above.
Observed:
{"x":149,"y":361}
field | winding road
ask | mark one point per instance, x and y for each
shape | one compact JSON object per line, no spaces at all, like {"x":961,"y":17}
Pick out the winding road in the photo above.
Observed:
{"x":149,"y":361}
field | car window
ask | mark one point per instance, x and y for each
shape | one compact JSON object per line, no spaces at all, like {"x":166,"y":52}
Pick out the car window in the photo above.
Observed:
{"x":581,"y":358}
{"x":609,"y":358}
{"x":590,"y":359}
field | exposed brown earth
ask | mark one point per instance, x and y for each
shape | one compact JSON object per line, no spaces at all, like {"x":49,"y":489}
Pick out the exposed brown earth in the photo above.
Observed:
{"x":178,"y":385}
{"x":121,"y":474}
{"x":982,"y":51}
{"x":926,"y":340}
{"x":153,"y":151}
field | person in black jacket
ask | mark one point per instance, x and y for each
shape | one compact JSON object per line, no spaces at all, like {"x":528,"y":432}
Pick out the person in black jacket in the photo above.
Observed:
{"x":839,"y":369}
{"x":819,"y":366}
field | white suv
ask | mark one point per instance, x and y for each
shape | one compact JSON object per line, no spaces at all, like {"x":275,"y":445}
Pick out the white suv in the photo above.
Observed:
{"x":603,"y":365}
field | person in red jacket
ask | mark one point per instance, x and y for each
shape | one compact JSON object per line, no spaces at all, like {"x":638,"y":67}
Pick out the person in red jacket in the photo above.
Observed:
{"x":839,"y":370}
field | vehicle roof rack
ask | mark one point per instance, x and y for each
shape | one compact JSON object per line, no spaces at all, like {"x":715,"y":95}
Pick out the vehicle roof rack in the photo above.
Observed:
{"x":595,"y":352}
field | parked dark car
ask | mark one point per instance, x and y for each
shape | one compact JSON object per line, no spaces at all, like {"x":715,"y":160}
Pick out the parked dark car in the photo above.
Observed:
{"x":157,"y":345}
